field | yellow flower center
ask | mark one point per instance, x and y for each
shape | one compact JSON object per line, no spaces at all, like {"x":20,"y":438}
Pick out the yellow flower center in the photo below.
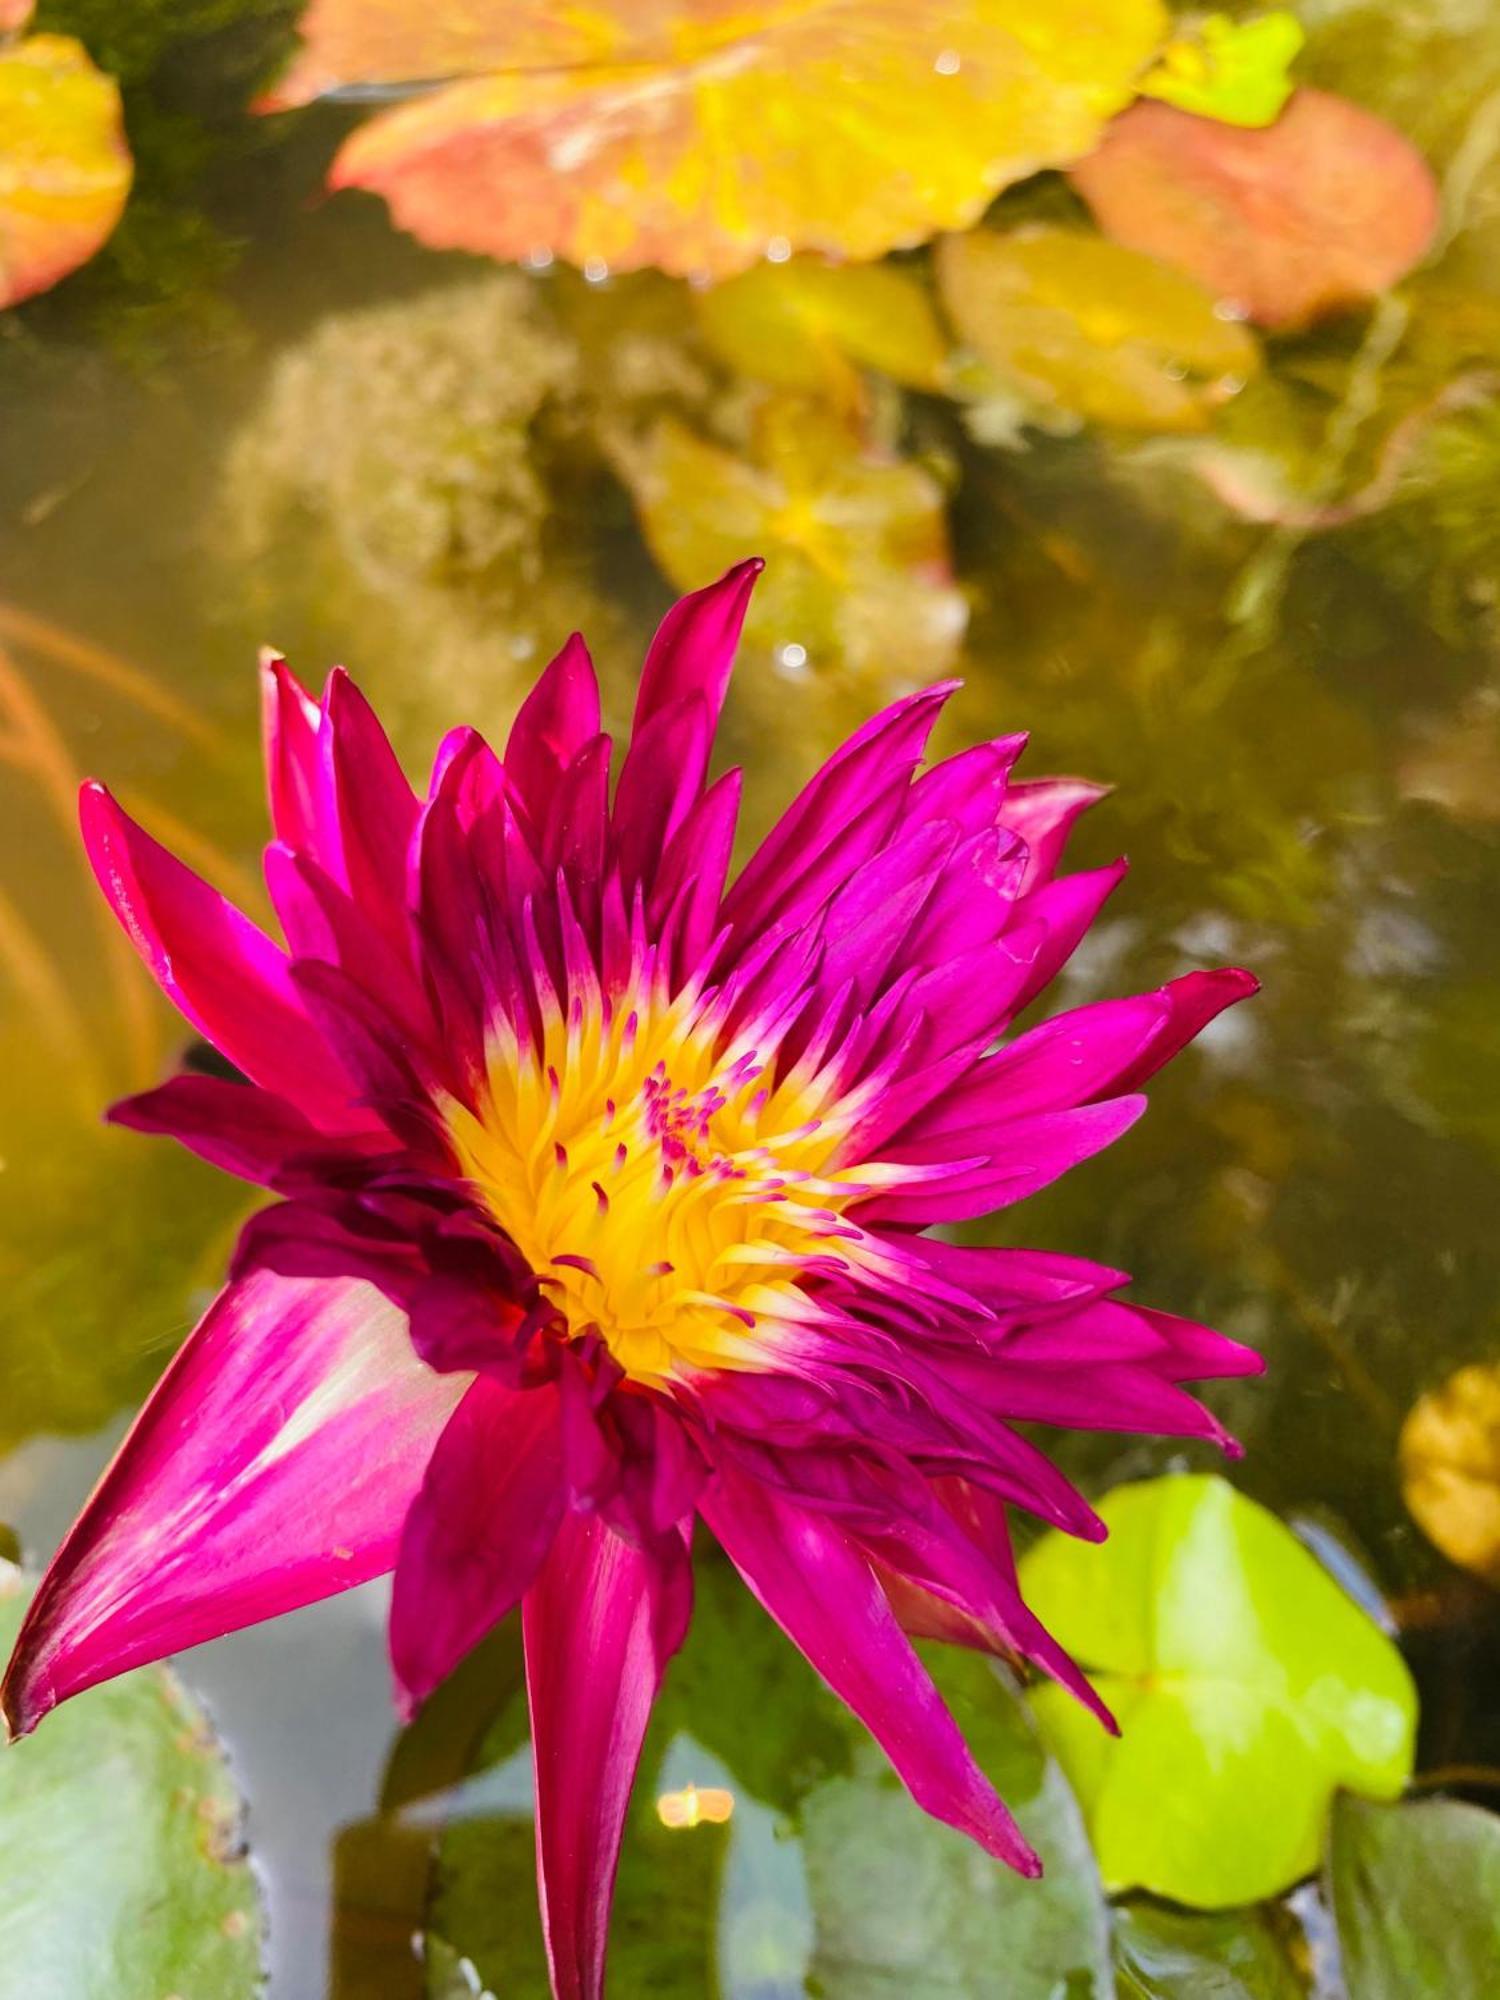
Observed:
{"x":670,"y":1191}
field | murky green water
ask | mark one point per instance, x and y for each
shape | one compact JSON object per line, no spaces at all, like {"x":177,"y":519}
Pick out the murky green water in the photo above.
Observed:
{"x":1303,"y":728}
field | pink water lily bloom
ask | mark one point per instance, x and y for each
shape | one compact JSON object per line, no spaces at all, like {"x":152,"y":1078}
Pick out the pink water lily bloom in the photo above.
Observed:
{"x":605,"y":1184}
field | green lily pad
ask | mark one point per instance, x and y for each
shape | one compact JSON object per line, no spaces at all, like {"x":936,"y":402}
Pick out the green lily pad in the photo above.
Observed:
{"x":1165,"y":1954}
{"x":1248,"y":1688}
{"x":123,"y":1872}
{"x":1235,"y":71}
{"x":904,"y":1906}
{"x":1415,"y":1891}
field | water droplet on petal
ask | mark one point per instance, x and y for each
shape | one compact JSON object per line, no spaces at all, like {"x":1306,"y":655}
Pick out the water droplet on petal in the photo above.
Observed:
{"x":778,"y":250}
{"x":595,"y":270}
{"x":949,"y":63}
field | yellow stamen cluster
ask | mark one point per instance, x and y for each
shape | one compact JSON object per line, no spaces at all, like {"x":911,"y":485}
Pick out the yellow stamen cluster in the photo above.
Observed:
{"x":668,"y":1188}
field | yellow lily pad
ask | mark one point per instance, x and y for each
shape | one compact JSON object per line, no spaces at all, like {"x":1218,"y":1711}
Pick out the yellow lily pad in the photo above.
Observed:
{"x":64,"y":166}
{"x":1450,"y":1468}
{"x":1082,"y":326}
{"x":701,"y":138}
{"x":858,"y":572}
{"x":812,"y":325}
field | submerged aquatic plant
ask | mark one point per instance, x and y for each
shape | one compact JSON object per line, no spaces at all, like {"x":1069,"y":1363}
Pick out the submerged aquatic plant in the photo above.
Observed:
{"x":604,"y":1189}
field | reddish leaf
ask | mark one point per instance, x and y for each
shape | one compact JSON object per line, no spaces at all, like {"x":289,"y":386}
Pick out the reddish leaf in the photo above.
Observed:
{"x":1325,"y":208}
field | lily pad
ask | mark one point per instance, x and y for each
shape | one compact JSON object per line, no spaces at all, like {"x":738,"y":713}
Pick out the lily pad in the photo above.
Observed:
{"x":1415,"y":1891}
{"x":1450,"y":1468}
{"x":1085,"y":327}
{"x":64,"y":165}
{"x":701,"y":138}
{"x":1322,"y":210}
{"x":811,"y":325}
{"x":1232,"y":70}
{"x":903,"y":1906}
{"x":1166,"y":1954}
{"x":120,"y":1853}
{"x":1247,"y":1686}
{"x":858,"y":572}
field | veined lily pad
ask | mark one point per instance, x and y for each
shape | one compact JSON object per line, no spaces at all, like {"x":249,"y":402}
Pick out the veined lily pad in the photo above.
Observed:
{"x":122,"y":1875}
{"x":64,"y":166}
{"x":702,"y":137}
{"x":1415,"y":1890}
{"x":1082,"y":326}
{"x":1248,"y":1689}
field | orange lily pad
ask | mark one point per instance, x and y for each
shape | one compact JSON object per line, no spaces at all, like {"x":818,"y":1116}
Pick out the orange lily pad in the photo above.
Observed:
{"x":858,"y":573}
{"x":1323,"y":209}
{"x":64,"y":166}
{"x":1086,"y":328}
{"x":702,"y":137}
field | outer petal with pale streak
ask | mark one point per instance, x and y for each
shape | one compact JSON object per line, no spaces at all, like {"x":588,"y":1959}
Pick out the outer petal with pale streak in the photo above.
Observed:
{"x":273,"y":1466}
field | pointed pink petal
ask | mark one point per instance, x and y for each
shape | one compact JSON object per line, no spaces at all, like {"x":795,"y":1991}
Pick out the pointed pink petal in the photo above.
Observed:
{"x":841,"y":817}
{"x":223,"y":974}
{"x":273,"y":1465}
{"x":237,"y":1126}
{"x":601,"y":1622}
{"x":693,"y":651}
{"x":372,"y":808}
{"x":995,"y":1164}
{"x":1065,"y":908}
{"x":289,"y":724}
{"x":477,"y":1532}
{"x":1043,"y":811}
{"x":556,"y":719}
{"x":822,"y":1591}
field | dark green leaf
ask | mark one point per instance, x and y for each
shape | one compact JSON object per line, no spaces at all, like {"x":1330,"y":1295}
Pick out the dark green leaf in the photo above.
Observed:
{"x":1415,"y":1891}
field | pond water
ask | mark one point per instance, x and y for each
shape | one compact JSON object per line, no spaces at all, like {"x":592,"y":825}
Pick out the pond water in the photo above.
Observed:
{"x":271,"y":418}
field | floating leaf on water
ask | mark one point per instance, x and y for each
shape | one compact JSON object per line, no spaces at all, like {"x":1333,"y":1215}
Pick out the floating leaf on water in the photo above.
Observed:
{"x":1450,"y":1468}
{"x":1324,"y":209}
{"x":810,"y":325}
{"x":1166,"y":1954}
{"x":1084,"y":326}
{"x":1235,"y":71}
{"x":120,"y":1858}
{"x":1415,"y":1891}
{"x":903,"y":1906}
{"x":1248,"y":1688}
{"x":701,"y":138}
{"x":64,"y":164}
{"x":859,"y":574}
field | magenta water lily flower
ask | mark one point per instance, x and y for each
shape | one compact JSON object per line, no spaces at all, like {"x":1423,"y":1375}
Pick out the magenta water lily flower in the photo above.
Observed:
{"x":605,"y":1189}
